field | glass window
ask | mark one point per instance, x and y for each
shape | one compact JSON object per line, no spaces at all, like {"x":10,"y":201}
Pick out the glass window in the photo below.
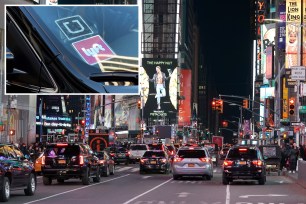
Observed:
{"x":138,"y":147}
{"x":191,"y":154}
{"x":237,"y":154}
{"x":3,"y":154}
{"x":10,"y":152}
{"x":154,"y":154}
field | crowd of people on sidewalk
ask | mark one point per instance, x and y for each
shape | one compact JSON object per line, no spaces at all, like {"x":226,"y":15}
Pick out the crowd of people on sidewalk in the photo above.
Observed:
{"x":290,"y":154}
{"x":33,"y":150}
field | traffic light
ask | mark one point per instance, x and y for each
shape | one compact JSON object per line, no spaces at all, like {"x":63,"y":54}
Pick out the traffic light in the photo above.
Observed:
{"x":139,"y":104}
{"x":291,"y":106}
{"x":12,"y":132}
{"x":245,"y":103}
{"x":219,"y":105}
{"x":83,"y":122}
{"x":225,"y":124}
{"x":213,"y":104}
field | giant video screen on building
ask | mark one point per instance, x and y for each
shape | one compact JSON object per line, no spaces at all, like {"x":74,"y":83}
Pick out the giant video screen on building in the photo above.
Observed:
{"x":159,"y":87}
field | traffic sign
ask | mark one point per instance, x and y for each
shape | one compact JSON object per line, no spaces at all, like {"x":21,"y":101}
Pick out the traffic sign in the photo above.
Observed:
{"x":295,"y":123}
{"x":298,"y":73}
{"x":302,"y":109}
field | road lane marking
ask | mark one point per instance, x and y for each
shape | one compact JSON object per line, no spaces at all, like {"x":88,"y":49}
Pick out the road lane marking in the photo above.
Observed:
{"x":267,"y":195}
{"x":148,"y":191}
{"x":134,"y":169}
{"x":76,"y":189}
{"x":183,"y":194}
{"x":123,"y":169}
{"x":145,"y":177}
{"x":228,"y":196}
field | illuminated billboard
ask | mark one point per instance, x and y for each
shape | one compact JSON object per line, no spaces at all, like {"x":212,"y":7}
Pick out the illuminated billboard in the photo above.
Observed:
{"x":158,"y":87}
{"x":185,"y":94}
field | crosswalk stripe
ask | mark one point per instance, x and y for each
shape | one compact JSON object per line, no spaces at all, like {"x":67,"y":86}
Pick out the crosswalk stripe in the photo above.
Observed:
{"x":134,"y":169}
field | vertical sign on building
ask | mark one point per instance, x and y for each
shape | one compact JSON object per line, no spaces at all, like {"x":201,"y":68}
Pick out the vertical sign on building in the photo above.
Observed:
{"x":87,"y":116}
{"x":185,"y":102}
{"x":260,"y":17}
{"x":304,"y":34}
{"x":293,"y":21}
{"x":282,"y":26}
{"x":269,"y":62}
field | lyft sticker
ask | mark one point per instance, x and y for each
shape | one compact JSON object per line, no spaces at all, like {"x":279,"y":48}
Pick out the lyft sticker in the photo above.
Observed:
{"x":73,"y":27}
{"x":93,"y":50}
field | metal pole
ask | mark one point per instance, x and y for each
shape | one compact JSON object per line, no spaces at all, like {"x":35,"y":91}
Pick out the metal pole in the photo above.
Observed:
{"x":241,"y":121}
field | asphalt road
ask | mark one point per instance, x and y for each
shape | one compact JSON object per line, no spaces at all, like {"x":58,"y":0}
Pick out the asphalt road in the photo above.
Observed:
{"x":127,"y":186}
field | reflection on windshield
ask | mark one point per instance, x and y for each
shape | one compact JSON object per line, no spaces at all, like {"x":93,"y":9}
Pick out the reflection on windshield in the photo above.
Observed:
{"x":92,"y":39}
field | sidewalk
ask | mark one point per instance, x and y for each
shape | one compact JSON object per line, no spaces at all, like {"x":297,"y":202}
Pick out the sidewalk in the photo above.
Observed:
{"x":292,"y":176}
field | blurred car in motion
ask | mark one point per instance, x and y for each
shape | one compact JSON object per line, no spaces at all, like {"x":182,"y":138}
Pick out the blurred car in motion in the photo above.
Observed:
{"x":17,"y":172}
{"x":244,"y":163}
{"x":62,"y":161}
{"x":107,"y":164}
{"x":155,"y":160}
{"x":192,"y":161}
{"x":38,"y":163}
{"x":72,"y":49}
{"x":137,"y":151}
{"x":120,"y":154}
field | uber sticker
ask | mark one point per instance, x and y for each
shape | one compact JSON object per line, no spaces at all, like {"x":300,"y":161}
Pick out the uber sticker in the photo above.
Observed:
{"x":93,"y":49}
{"x":73,"y":27}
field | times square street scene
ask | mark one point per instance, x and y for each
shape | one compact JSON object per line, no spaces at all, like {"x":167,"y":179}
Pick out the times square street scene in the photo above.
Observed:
{"x":153,"y":101}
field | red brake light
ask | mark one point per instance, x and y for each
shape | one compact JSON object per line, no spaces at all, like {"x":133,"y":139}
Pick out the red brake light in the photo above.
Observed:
{"x":228,"y":163}
{"x":204,"y":159}
{"x":191,"y":147}
{"x":43,"y":160}
{"x":243,"y":150}
{"x":81,"y":160}
{"x":143,"y":160}
{"x":172,"y":152}
{"x":178,"y":159}
{"x":61,"y":145}
{"x":164,"y":160}
{"x":112,"y":154}
{"x":257,"y":162}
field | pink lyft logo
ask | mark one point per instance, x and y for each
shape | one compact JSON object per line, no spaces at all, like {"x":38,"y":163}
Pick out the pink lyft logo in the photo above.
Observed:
{"x":89,"y":48}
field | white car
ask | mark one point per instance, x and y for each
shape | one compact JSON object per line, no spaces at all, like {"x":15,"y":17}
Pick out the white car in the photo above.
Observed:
{"x":137,"y":151}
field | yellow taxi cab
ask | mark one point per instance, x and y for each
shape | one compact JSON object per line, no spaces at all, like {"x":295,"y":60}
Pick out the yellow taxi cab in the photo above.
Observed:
{"x":37,"y":164}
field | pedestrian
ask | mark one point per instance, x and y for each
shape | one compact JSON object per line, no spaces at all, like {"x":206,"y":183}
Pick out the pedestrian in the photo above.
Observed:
{"x":293,"y":157}
{"x":283,"y":157}
{"x":24,"y":149}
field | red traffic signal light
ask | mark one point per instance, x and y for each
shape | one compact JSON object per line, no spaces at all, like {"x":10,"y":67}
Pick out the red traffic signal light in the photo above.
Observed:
{"x":245,"y":103}
{"x":219,"y":105}
{"x":213,"y":105}
{"x":139,"y":104}
{"x":12,"y":132}
{"x":291,"y":106}
{"x":224,"y":124}
{"x":83,"y":122}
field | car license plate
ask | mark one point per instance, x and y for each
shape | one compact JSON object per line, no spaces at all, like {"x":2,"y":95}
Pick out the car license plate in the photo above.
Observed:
{"x":242,"y":162}
{"x":213,"y":159}
{"x":61,"y":161}
{"x":153,"y":162}
{"x":190,"y":165}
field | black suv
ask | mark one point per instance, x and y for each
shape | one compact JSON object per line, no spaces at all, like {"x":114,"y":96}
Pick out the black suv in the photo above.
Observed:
{"x":63,"y":161}
{"x":244,"y":162}
{"x":17,"y":172}
{"x":120,"y":154}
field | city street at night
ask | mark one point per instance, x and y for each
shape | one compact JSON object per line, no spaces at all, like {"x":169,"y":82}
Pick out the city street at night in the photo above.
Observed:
{"x":127,"y":186}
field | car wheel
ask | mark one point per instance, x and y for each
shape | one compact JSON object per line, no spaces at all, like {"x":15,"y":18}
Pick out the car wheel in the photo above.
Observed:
{"x":5,"y":191}
{"x":31,"y":187}
{"x":60,"y":180}
{"x":47,"y":180}
{"x":85,"y":177}
{"x":97,"y":178}
{"x":112,"y":172}
{"x":225,"y":181}
{"x":208,"y":177}
{"x":175,"y":177}
{"x":262,"y":180}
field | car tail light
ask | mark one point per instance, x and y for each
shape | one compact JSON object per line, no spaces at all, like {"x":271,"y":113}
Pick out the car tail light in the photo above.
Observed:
{"x":61,"y":145}
{"x":178,"y":159}
{"x":243,"y":150}
{"x":204,"y":159}
{"x":164,"y":160}
{"x":228,"y":163}
{"x":127,"y":154}
{"x":143,"y":160}
{"x":172,"y":152}
{"x":43,"y":162}
{"x":112,"y":154}
{"x":81,"y":162}
{"x":257,"y":162}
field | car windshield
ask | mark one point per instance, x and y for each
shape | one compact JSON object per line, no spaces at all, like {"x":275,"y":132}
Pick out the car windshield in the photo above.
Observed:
{"x":245,"y":154}
{"x":138,"y":147}
{"x":91,"y":39}
{"x":154,"y":154}
{"x":191,"y":154}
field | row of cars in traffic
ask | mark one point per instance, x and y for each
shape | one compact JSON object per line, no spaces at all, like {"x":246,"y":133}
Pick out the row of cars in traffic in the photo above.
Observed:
{"x":63,"y":161}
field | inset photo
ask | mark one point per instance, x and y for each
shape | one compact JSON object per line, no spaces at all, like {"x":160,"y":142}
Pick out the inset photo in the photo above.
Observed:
{"x":72,"y":49}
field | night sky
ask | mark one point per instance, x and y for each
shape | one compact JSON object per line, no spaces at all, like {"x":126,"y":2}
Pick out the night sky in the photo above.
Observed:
{"x":226,"y":39}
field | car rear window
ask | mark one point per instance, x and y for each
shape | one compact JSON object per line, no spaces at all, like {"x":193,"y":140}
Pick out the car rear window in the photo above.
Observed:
{"x":69,"y":151}
{"x":138,"y":147}
{"x":155,"y":147}
{"x":121,"y":149}
{"x":153,"y":154}
{"x":246,"y":154}
{"x":191,"y":153}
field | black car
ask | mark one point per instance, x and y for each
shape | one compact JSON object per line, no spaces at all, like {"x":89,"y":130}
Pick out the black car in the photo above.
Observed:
{"x":72,"y":49}
{"x":244,"y":162}
{"x":120,"y":155}
{"x":107,"y":164}
{"x":17,"y":172}
{"x":155,"y":160}
{"x":63,"y":161}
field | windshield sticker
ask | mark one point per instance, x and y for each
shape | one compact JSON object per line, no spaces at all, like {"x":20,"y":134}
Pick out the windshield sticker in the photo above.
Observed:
{"x":93,"y":50}
{"x":73,"y":27}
